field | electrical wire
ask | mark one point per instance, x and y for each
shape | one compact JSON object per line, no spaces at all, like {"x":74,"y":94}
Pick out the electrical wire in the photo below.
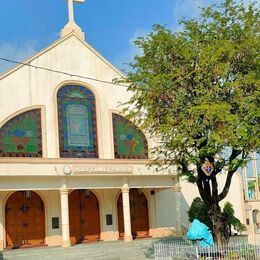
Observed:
{"x":62,"y":72}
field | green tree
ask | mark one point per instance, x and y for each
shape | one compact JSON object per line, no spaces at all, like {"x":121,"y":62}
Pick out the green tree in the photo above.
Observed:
{"x":198,"y":211}
{"x":197,"y":92}
{"x":251,"y":185}
{"x":234,"y":222}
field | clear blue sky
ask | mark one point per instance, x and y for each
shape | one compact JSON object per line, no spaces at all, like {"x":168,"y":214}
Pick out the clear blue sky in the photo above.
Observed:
{"x":27,"y":26}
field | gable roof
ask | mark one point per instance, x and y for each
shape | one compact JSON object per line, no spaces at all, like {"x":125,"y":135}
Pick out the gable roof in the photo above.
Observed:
{"x":53,"y":45}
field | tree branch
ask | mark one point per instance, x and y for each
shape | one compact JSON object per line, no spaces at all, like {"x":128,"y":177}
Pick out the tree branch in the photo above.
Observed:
{"x":214,"y":186}
{"x":225,"y":190}
{"x":230,"y":173}
{"x":201,"y":189}
{"x":203,"y":186}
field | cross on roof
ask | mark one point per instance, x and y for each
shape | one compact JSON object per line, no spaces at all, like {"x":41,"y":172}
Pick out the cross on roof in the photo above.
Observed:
{"x":70,"y":9}
{"x":71,"y":26}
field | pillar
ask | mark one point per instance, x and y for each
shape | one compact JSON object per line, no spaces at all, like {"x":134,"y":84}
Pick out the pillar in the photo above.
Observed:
{"x":2,"y":216}
{"x":65,"y":227}
{"x":126,"y":212}
{"x":177,"y":195}
{"x":153,"y":217}
{"x":251,"y":222}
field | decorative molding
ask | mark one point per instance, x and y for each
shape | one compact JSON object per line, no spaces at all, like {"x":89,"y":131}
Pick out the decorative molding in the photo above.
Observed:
{"x":4,"y":160}
{"x":64,"y":191}
{"x":97,"y":169}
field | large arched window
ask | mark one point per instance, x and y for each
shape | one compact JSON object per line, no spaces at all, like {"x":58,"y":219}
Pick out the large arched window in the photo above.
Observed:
{"x":22,"y":136}
{"x":129,"y":141}
{"x":77,"y":122}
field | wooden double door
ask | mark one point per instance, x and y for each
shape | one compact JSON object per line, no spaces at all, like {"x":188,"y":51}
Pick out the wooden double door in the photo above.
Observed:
{"x":24,"y":220}
{"x":138,"y":212}
{"x":84,"y":216}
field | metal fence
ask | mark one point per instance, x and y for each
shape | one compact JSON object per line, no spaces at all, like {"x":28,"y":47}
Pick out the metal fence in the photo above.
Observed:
{"x":169,"y":250}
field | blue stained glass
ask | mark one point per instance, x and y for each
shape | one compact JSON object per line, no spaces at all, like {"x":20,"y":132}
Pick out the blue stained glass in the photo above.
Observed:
{"x":77,"y":122}
{"x":77,"y":116}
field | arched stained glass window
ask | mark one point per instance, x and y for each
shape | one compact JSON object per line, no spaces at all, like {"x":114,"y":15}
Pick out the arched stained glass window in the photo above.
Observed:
{"x":22,"y":136}
{"x":129,"y":141}
{"x":77,"y":122}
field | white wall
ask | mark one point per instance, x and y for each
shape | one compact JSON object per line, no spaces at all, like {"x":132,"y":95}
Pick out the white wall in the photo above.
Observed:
{"x":234,"y":196}
{"x":28,"y":87}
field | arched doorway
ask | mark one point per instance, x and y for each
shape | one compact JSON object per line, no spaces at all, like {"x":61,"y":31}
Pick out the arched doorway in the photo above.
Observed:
{"x":139,"y":214}
{"x":84,"y":216}
{"x":24,"y":220}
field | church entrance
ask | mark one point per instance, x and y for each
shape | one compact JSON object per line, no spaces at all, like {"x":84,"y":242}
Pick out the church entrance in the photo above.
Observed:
{"x":139,"y":214}
{"x":24,"y":220}
{"x":84,"y":216}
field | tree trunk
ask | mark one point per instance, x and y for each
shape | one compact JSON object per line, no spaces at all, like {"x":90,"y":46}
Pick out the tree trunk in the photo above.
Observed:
{"x":221,"y":228}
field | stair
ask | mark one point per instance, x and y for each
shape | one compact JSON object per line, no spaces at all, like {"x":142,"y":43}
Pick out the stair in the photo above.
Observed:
{"x":139,"y":249}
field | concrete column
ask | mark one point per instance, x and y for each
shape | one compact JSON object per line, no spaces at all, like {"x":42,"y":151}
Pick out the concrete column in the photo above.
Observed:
{"x":255,"y":171}
{"x":65,"y":226}
{"x":177,"y":195}
{"x":153,"y":217}
{"x":127,"y":215}
{"x":1,"y":223}
{"x":251,"y":222}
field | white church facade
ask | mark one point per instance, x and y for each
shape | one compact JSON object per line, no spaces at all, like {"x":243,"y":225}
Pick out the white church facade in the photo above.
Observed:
{"x":72,"y":168}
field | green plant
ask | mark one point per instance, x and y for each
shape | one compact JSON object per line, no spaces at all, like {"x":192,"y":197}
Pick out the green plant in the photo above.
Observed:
{"x":251,"y":185}
{"x":228,"y":210}
{"x":249,"y":253}
{"x":197,"y":92}
{"x":198,"y":211}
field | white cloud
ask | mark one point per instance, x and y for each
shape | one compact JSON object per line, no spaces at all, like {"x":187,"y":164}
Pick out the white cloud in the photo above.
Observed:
{"x":247,"y":2}
{"x":16,"y":52}
{"x":181,"y":9}
{"x":127,"y":56}
{"x":190,"y":8}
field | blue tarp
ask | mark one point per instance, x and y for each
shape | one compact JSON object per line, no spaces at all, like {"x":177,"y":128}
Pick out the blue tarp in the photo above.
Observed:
{"x":200,"y":232}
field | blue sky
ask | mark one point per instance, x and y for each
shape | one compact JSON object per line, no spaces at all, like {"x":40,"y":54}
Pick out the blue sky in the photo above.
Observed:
{"x":27,"y":26}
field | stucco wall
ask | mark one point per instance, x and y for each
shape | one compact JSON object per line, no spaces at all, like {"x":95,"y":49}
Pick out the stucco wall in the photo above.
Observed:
{"x":28,"y":87}
{"x":161,"y":210}
{"x":235,"y":196}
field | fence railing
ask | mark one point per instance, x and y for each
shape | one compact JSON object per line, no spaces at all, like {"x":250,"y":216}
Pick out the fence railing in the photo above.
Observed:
{"x":169,"y":250}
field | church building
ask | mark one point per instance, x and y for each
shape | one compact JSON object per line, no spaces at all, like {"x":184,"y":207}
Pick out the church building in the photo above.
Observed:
{"x":73,"y":169}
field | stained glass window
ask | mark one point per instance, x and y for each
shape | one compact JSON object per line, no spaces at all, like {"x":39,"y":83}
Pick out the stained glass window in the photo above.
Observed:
{"x":77,"y":122}
{"x":22,"y":136}
{"x":129,"y":141}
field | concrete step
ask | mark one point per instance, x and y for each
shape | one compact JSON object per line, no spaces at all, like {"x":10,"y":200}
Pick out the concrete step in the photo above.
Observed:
{"x":140,"y":249}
